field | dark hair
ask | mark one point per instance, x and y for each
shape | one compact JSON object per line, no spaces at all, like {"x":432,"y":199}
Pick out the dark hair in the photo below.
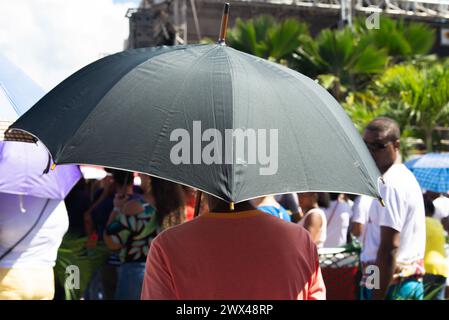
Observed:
{"x":429,"y":207}
{"x":169,"y":198}
{"x":387,"y":125}
{"x":323,"y":199}
{"x":333,"y":196}
{"x":122,"y":177}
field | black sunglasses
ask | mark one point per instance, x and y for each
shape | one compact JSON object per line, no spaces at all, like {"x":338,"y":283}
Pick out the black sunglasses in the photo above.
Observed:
{"x":377,"y":145}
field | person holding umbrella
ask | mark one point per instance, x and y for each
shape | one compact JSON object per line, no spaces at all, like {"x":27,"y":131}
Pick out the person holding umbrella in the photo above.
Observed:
{"x":262,"y":123}
{"x":239,"y":254}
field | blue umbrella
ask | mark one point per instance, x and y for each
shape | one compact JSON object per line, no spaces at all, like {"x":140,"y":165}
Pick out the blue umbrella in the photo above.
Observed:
{"x":432,"y":171}
{"x":22,"y":164}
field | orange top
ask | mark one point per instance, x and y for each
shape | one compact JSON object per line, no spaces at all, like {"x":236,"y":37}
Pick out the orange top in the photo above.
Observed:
{"x":243,"y":255}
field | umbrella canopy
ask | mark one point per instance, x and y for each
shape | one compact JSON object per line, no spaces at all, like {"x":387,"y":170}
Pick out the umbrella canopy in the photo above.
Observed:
{"x":17,"y":91}
{"x":228,"y":123}
{"x":432,"y":171}
{"x":22,"y":164}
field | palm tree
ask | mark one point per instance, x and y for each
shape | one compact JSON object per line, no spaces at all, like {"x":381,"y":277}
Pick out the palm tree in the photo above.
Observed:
{"x":266,"y":38}
{"x":401,"y":40}
{"x":342,"y":60}
{"x":420,"y":93}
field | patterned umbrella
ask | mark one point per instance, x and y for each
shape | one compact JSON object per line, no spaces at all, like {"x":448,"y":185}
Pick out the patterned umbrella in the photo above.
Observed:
{"x":432,"y":171}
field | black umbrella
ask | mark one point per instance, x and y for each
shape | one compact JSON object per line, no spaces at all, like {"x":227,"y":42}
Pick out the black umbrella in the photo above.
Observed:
{"x":225,"y":122}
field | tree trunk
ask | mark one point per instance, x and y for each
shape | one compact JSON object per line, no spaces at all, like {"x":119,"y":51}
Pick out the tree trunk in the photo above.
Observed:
{"x":429,"y":145}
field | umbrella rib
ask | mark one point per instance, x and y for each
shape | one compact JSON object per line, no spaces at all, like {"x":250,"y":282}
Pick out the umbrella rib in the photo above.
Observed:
{"x":8,"y":96}
{"x":175,"y":98}
{"x":289,"y":121}
{"x":233,"y":122}
{"x":355,"y":156}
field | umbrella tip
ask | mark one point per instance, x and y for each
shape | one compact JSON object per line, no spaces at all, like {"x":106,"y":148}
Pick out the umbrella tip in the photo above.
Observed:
{"x":382,"y":203}
{"x":53,"y":166}
{"x":224,"y":24}
{"x":231,"y":206}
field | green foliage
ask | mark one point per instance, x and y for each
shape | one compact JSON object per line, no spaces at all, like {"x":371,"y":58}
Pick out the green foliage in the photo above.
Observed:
{"x":419,"y":94}
{"x":362,"y":68}
{"x":266,"y":38}
{"x":401,"y":40}
{"x":343,"y":56}
{"x":73,"y":252}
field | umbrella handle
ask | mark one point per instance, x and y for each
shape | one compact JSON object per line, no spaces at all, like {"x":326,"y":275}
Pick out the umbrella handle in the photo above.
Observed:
{"x":197,"y":203}
{"x":224,"y":24}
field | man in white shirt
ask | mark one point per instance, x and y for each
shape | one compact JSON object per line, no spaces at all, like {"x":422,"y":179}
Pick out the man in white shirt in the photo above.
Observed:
{"x":394,"y":235}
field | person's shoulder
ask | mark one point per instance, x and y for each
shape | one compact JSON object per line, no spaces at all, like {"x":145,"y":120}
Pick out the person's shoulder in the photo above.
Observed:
{"x":442,"y":202}
{"x":317,"y":211}
{"x":286,"y":227}
{"x":185,"y":229}
{"x":400,"y":178}
{"x":398,"y":174}
{"x":344,"y":206}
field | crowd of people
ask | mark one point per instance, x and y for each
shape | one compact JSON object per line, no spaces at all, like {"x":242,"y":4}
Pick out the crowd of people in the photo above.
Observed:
{"x":264,"y":248}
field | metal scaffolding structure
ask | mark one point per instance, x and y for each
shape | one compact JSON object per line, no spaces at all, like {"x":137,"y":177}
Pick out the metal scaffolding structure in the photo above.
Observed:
{"x":164,"y":22}
{"x":420,"y":8}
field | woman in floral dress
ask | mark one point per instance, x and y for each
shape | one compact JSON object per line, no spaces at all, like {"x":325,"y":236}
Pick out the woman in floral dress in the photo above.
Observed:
{"x":133,"y":224}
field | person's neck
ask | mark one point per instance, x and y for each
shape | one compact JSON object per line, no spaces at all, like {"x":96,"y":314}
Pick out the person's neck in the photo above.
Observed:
{"x":315,"y":206}
{"x":268,"y":201}
{"x":386,"y":168}
{"x":238,"y":207}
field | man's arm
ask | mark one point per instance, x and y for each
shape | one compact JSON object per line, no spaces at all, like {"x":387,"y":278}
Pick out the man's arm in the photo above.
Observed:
{"x":386,"y":260}
{"x":313,"y":224}
{"x":317,"y":289}
{"x":356,"y":229}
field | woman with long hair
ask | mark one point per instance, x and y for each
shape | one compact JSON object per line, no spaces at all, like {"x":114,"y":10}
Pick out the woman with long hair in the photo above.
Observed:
{"x":133,"y":224}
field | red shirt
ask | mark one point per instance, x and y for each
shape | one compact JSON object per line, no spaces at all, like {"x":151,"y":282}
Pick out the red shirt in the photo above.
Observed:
{"x":245,"y":255}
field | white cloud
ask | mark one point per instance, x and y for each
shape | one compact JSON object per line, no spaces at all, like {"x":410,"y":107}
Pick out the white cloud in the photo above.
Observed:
{"x":51,"y":39}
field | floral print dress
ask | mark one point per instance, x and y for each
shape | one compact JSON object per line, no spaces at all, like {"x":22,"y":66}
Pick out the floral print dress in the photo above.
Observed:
{"x":134,"y":233}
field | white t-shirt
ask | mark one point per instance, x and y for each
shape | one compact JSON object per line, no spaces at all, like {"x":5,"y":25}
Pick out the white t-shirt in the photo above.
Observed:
{"x":403,"y":211}
{"x":323,"y":231}
{"x":338,"y":217}
{"x":39,"y":248}
{"x":441,"y":207}
{"x":360,"y":210}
